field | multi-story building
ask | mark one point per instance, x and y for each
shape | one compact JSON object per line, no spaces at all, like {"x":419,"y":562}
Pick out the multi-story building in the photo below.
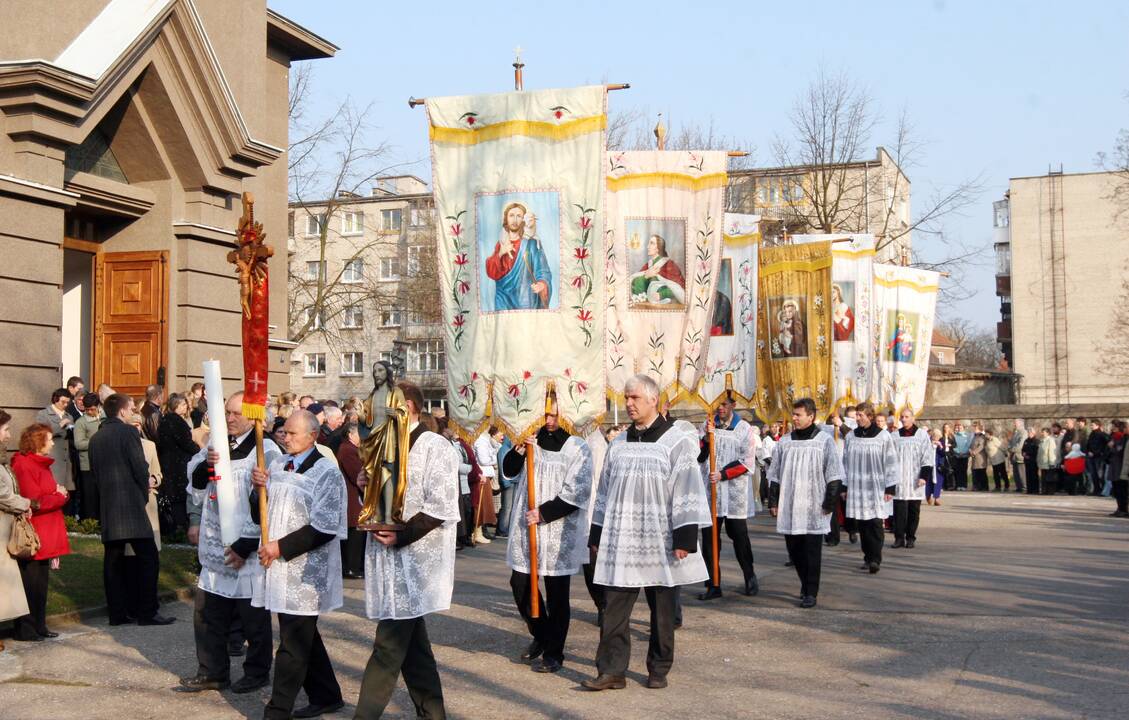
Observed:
{"x":1061,"y":262}
{"x":871,"y":196}
{"x":378,"y":288}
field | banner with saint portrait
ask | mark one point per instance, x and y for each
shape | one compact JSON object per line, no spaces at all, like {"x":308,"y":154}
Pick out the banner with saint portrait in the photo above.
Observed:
{"x":905,"y":301}
{"x":853,"y":364}
{"x":519,"y":193}
{"x":794,"y":329}
{"x":664,"y":227}
{"x":731,"y":367}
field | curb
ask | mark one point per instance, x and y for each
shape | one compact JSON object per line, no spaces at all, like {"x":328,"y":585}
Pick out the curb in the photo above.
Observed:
{"x":79,"y":616}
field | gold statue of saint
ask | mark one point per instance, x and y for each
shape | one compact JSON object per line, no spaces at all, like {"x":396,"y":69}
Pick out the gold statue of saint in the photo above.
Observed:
{"x":384,"y":452}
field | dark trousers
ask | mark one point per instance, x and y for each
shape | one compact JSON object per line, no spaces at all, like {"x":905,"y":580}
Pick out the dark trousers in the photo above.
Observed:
{"x":551,"y":628}
{"x":1095,"y":473}
{"x":1032,"y":471}
{"x":133,"y":583}
{"x":1049,"y":481}
{"x":738,"y":531}
{"x":806,"y":554}
{"x":907,"y":515}
{"x":980,"y":479}
{"x":212,"y":620}
{"x":466,"y":522}
{"x":34,"y":576}
{"x":999,"y":474}
{"x":301,"y":662}
{"x":614,"y":651}
{"x":401,"y":647}
{"x":596,"y":592}
{"x":1071,"y":483}
{"x":960,"y":472}
{"x":353,"y":552}
{"x":871,"y":536}
{"x":88,"y":492}
{"x":1120,"y":493}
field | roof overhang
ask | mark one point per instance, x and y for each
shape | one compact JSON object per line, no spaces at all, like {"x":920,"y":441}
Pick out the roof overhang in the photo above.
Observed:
{"x":298,"y":42}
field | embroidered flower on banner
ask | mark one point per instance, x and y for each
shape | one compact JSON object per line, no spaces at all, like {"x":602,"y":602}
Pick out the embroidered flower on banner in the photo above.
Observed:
{"x":582,"y":268}
{"x":576,"y":391}
{"x":615,"y":346}
{"x":560,"y":111}
{"x":460,"y":278}
{"x":468,"y":395}
{"x":518,"y":393}
{"x":469,"y":118}
{"x":703,"y":277}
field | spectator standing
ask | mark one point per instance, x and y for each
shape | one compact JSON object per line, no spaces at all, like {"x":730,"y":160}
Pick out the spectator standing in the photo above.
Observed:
{"x":978,"y":458}
{"x":997,"y":458}
{"x":84,"y":429}
{"x":331,"y":433}
{"x":1048,"y":460}
{"x":175,"y":447}
{"x":962,"y":448}
{"x":198,"y":402}
{"x":505,"y":511}
{"x":32,"y":468}
{"x":1015,"y":454}
{"x":1031,"y":461}
{"x":55,"y":416}
{"x":349,"y":460}
{"x":151,"y":412}
{"x":1118,"y":471}
{"x":13,"y":599}
{"x":934,"y":484}
{"x":486,"y":455}
{"x":77,"y":388}
{"x":1097,"y":454}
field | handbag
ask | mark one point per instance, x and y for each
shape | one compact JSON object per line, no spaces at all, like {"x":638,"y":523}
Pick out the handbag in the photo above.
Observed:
{"x":24,"y":542}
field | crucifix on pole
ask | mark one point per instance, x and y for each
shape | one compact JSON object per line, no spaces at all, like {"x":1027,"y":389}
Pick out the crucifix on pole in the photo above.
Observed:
{"x":518,"y":65}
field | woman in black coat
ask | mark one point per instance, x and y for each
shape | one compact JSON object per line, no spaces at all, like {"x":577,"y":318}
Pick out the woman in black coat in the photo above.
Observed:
{"x":1030,"y":450}
{"x":175,"y":447}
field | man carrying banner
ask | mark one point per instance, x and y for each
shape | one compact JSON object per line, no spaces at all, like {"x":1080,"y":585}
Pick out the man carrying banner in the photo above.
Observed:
{"x":870,"y":466}
{"x":306,"y":512}
{"x":650,"y":505}
{"x":736,"y":460}
{"x":226,"y":580}
{"x":563,"y":476}
{"x":916,"y":458}
{"x":410,"y":573}
{"x":804,"y":480}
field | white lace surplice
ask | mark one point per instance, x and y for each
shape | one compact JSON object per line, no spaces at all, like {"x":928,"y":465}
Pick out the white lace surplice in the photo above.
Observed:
{"x":803,"y":468}
{"x":407,"y":582}
{"x":310,"y":584}
{"x":871,"y":466}
{"x":599,"y":447}
{"x":646,"y":491}
{"x":914,"y":453}
{"x":562,"y":545}
{"x":215,"y":576}
{"x":729,"y":446}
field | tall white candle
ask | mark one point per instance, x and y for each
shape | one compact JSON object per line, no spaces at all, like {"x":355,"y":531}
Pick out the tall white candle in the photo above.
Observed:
{"x":217,"y":422}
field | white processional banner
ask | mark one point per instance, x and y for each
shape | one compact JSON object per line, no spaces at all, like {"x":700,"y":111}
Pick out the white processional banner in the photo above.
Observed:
{"x":731,"y":366}
{"x":664,"y":227}
{"x":852,"y":317}
{"x":905,"y":301}
{"x":519,"y":195}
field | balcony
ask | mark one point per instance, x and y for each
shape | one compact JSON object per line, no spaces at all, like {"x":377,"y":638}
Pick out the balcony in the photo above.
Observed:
{"x":1003,"y":331}
{"x":1003,"y":285}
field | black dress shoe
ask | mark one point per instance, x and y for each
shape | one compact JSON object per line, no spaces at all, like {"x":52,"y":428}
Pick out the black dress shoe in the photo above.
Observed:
{"x":807,"y":601}
{"x":200,"y":683}
{"x":873,"y":567}
{"x":864,"y":566}
{"x":547,"y":665}
{"x":48,"y":634}
{"x":789,"y":563}
{"x":711,"y":593}
{"x":752,"y":587}
{"x":156,"y":620}
{"x":910,"y":544}
{"x":656,"y":682}
{"x":25,"y":637}
{"x":248,"y":684}
{"x":605,"y":682}
{"x":312,"y":710}
{"x":854,"y":538}
{"x":533,"y":651}
{"x":899,"y":544}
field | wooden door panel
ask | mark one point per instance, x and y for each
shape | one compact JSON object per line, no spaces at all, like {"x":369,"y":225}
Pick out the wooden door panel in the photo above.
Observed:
{"x":130,"y":324}
{"x":132,"y":359}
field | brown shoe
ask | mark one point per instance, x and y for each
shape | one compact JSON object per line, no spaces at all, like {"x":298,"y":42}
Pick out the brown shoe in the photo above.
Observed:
{"x":605,"y":682}
{"x":655,"y":682}
{"x":937,"y":501}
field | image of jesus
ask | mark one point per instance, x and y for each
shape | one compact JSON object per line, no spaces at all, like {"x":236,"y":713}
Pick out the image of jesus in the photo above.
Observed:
{"x":791,"y":340}
{"x":660,"y":280}
{"x":518,"y":266}
{"x":842,"y":317}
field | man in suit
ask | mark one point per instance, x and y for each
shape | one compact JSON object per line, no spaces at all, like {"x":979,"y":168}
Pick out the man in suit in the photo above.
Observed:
{"x":151,"y":411}
{"x":122,"y":477}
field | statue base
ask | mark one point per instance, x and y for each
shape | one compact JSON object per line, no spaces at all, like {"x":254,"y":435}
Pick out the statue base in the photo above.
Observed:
{"x":380,"y":527}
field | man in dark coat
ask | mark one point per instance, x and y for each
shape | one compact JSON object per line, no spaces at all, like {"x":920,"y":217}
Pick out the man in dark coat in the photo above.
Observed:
{"x":151,"y":411}
{"x":122,"y":477}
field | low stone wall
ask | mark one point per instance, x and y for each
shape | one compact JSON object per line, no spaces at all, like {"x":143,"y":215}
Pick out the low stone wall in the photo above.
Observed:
{"x":1002,"y":416}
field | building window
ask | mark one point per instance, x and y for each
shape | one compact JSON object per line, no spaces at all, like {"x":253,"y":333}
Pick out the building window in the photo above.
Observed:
{"x":315,"y":270}
{"x":353,"y":223}
{"x":315,"y":365}
{"x":386,"y":356}
{"x":290,"y":224}
{"x":390,"y":268}
{"x":352,"y":363}
{"x":353,"y":317}
{"x":314,"y":224}
{"x":391,"y":316}
{"x":390,"y":220}
{"x":762,"y":195}
{"x":315,"y":320}
{"x":427,"y":356}
{"x":354,"y":271}
{"x":413,"y":260}
{"x":1003,"y":259}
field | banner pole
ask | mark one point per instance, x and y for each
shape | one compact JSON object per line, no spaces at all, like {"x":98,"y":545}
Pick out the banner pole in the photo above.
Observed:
{"x":713,"y":509}
{"x":531,"y":493}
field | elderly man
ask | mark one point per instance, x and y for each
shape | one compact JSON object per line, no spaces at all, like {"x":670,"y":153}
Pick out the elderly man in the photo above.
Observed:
{"x":306,"y":512}
{"x":226,"y":580}
{"x":121,"y":474}
{"x":650,"y":505}
{"x":330,"y":434}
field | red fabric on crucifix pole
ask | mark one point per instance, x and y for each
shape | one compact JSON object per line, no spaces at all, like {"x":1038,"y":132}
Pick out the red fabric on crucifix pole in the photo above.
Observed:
{"x":250,"y":260}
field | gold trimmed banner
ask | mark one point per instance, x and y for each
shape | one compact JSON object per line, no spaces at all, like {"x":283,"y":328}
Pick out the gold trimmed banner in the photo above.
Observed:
{"x":905,"y":304}
{"x":678,"y":181}
{"x":556,"y":132}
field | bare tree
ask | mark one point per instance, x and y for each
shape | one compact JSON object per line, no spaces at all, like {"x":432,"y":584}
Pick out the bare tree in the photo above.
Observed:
{"x":976,"y":347}
{"x":1117,"y":162}
{"x":633,"y":129}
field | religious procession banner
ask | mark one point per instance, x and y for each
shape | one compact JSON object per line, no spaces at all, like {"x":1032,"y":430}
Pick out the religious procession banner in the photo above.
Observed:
{"x":905,"y":303}
{"x":731,"y":366}
{"x":519,"y":192}
{"x":853,"y":364}
{"x":665,"y":214}
{"x":794,"y":329}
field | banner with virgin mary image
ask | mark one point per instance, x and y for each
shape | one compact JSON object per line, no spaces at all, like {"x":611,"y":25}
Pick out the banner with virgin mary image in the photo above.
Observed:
{"x":794,"y":329}
{"x":905,"y":300}
{"x":731,"y":367}
{"x":665,"y":214}
{"x":519,"y":193}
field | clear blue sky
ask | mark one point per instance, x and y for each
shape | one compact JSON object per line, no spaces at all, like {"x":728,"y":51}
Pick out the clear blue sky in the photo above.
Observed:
{"x":1001,"y":89}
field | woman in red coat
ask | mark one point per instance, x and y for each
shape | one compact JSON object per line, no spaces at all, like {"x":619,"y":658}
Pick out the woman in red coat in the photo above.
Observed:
{"x":32,"y":468}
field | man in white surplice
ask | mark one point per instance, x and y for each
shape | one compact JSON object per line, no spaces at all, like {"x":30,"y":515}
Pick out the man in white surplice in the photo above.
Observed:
{"x":804,"y":480}
{"x":410,"y":573}
{"x":870,"y":464}
{"x":306,"y":512}
{"x":735,"y":454}
{"x":562,"y":482}
{"x":916,"y":458}
{"x":226,"y":580}
{"x":650,"y":506}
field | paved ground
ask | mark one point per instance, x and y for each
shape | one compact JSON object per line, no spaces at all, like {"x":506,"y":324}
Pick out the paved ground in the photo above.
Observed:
{"x":1010,"y":607}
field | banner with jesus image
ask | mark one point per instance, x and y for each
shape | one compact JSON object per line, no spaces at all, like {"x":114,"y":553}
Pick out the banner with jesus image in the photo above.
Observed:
{"x":665,"y":213}
{"x":519,"y":193}
{"x":906,"y":300}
